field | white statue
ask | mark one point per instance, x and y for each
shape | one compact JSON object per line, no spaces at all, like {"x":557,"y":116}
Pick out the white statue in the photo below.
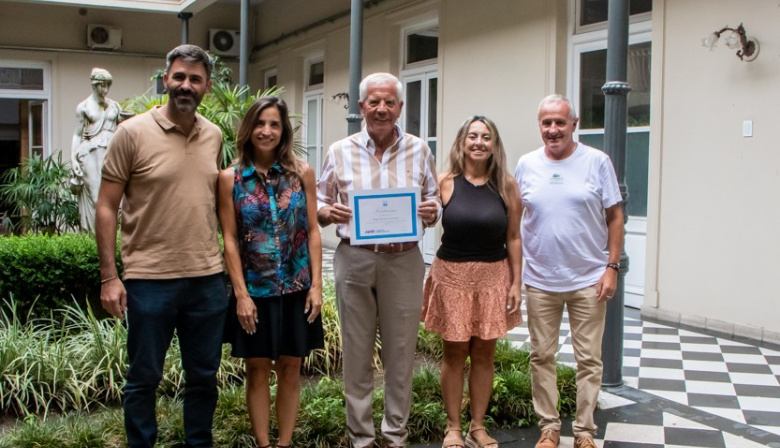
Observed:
{"x":97,"y":119}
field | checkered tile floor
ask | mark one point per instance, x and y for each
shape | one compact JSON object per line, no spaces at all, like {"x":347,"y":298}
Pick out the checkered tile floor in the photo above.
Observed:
{"x":683,"y":388}
{"x":735,"y":381}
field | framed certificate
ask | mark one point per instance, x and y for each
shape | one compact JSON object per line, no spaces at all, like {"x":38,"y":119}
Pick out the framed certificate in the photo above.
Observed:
{"x":387,"y":215}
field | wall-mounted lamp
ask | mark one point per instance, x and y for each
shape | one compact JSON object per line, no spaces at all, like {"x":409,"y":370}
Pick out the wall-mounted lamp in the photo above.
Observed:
{"x":736,"y":38}
{"x":341,"y":96}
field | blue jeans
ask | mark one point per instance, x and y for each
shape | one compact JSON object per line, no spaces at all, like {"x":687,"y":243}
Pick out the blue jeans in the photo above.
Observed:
{"x":195,"y":308}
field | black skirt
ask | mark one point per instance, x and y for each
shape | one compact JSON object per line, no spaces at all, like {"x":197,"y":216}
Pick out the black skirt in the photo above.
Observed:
{"x":281,"y":330}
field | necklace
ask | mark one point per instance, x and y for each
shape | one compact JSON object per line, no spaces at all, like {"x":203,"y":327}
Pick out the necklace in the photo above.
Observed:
{"x":475,"y":181}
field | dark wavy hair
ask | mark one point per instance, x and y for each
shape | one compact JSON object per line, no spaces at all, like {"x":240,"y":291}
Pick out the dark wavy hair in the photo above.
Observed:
{"x":284,"y":151}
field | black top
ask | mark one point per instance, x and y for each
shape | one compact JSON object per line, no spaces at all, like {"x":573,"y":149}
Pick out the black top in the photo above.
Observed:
{"x":475,"y":224}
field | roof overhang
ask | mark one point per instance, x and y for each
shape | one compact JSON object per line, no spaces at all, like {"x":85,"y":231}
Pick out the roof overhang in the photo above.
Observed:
{"x":165,"y":6}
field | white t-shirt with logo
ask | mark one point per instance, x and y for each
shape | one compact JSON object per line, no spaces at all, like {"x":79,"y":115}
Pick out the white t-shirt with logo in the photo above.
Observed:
{"x":564,"y":226}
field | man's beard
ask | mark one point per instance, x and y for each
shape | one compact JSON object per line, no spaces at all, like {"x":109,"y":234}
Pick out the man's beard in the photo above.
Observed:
{"x":185,"y":107}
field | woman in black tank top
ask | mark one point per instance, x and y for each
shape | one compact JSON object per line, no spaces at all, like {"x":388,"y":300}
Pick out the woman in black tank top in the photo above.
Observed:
{"x":472,"y":294}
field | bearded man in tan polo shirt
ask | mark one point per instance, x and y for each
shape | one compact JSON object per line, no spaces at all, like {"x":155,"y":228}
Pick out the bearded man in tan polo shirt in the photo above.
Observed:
{"x":163,"y":166}
{"x":378,"y":284}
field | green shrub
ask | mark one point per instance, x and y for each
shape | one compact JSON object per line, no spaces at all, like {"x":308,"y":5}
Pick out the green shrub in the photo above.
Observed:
{"x":508,"y":357}
{"x":567,"y":390}
{"x":75,"y":365}
{"x":39,"y":194}
{"x":321,"y":418}
{"x":75,"y":362}
{"x":516,"y":412}
{"x":34,"y":434}
{"x":429,"y":344}
{"x":231,"y":423}
{"x":427,"y":416}
{"x":327,"y":361}
{"x":44,"y":273}
{"x":322,"y":415}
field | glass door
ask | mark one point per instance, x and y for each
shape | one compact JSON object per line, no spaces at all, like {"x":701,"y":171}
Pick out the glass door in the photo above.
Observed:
{"x":312,"y":123}
{"x":590,"y":76}
{"x":419,"y":118}
{"x":36,"y":127}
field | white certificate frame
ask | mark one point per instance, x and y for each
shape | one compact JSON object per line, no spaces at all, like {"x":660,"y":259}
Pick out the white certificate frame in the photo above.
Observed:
{"x":386,"y":215}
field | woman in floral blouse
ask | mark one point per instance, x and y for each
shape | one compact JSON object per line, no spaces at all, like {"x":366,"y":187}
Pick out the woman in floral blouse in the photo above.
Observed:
{"x":268,"y":212}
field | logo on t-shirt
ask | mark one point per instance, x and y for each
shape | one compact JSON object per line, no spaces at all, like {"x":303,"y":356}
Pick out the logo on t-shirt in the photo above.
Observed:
{"x":556,"y":179}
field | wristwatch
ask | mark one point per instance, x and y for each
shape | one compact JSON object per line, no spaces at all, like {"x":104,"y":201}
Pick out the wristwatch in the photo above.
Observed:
{"x":615,"y":266}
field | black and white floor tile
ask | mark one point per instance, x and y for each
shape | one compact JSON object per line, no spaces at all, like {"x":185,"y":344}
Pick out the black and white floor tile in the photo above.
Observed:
{"x":726,"y":393}
{"x":682,"y":388}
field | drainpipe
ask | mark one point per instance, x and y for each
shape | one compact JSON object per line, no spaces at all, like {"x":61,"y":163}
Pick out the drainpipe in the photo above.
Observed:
{"x":243,"y":59}
{"x":616,"y":90}
{"x":355,"y":66}
{"x":185,"y":26}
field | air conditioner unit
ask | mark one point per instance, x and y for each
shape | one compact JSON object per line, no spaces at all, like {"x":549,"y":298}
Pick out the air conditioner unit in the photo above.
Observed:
{"x":103,"y":37}
{"x":224,"y":42}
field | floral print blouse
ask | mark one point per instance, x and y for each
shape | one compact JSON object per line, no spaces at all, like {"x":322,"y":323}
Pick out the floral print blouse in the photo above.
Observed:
{"x":272,"y":231}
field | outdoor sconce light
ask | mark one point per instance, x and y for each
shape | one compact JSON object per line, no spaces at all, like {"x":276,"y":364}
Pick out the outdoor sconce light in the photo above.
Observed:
{"x":736,"y":38}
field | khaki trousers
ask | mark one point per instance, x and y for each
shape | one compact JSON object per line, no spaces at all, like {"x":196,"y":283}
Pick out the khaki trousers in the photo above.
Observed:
{"x":586,"y":319}
{"x":383,"y":290}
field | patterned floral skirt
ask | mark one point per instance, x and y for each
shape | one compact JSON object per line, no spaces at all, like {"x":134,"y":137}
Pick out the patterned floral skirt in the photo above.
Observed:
{"x":468,"y":299}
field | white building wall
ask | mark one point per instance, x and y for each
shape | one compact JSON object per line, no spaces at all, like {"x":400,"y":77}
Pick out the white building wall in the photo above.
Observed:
{"x":499,"y":62}
{"x":713,"y":249}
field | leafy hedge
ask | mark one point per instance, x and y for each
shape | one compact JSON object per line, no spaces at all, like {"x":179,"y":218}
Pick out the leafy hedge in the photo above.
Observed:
{"x":43,"y":273}
{"x":62,"y":379}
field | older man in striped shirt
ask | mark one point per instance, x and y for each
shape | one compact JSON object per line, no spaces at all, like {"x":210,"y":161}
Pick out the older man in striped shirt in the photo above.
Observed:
{"x":378,"y":284}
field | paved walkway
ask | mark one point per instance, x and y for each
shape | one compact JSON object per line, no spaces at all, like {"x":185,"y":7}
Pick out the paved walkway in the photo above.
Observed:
{"x":683,"y":387}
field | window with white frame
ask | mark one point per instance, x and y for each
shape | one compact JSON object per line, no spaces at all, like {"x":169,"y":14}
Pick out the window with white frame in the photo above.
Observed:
{"x":588,"y":53}
{"x":28,"y":85}
{"x":36,"y":127}
{"x":269,"y":78}
{"x":590,"y":59}
{"x":420,"y":78}
{"x":312,"y":129}
{"x":591,"y":15}
{"x":21,"y":78}
{"x":315,"y":73}
{"x":421,"y":45}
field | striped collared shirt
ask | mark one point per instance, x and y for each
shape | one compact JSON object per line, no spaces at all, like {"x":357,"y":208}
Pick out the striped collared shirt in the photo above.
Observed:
{"x":351,"y":165}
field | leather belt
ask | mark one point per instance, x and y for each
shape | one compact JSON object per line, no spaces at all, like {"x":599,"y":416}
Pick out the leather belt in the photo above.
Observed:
{"x":390,"y":248}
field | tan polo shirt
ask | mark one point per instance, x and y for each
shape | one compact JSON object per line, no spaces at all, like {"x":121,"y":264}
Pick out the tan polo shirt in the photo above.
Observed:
{"x":169,"y":220}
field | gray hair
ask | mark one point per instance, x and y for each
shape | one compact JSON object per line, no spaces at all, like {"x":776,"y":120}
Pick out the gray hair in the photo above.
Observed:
{"x":190,"y":53}
{"x":558,"y":98}
{"x":378,"y":78}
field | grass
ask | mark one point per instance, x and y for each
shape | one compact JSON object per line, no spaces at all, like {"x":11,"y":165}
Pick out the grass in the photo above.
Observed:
{"x":61,"y":377}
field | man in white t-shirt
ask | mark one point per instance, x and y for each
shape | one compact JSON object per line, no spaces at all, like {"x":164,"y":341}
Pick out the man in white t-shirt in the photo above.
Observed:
{"x":572,"y":232}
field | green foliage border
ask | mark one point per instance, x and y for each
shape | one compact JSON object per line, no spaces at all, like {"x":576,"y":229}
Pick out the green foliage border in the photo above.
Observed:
{"x":64,"y":382}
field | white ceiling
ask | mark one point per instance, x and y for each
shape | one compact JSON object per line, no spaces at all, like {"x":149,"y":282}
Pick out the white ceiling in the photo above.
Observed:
{"x":172,"y":6}
{"x":236,"y":2}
